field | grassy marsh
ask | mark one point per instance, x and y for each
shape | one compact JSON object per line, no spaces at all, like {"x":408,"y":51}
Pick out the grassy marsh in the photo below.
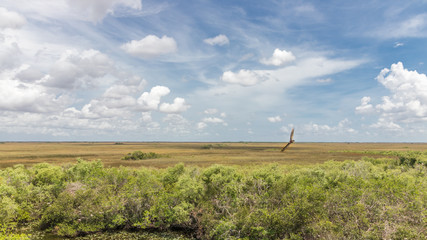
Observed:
{"x":193,"y":153}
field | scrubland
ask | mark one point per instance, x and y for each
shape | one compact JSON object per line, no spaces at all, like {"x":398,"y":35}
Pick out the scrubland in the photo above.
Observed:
{"x":380,"y":194}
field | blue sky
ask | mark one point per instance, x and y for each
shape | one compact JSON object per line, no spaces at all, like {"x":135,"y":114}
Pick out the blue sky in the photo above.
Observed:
{"x":130,"y":70}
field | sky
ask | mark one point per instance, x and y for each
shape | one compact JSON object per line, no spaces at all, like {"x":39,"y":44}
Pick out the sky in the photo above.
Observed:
{"x":200,"y":70}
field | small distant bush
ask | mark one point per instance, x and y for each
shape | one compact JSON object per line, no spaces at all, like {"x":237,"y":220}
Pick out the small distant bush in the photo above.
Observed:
{"x":211,"y":146}
{"x":138,"y":155}
{"x":207,"y":146}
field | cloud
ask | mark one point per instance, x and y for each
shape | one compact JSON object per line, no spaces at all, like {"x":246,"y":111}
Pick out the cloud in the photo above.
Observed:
{"x":115,"y":110}
{"x":27,"y":97}
{"x":275,"y":119}
{"x":122,"y":90}
{"x":68,"y":123}
{"x":177,"y":106}
{"x":408,"y":100}
{"x":326,"y":130}
{"x":81,"y":10}
{"x":97,"y":109}
{"x":29,"y":74}
{"x":9,"y":19}
{"x":324,"y":80}
{"x":176,"y":124}
{"x":146,"y":117}
{"x":289,"y":76}
{"x":151,"y":46}
{"x":365,"y":106}
{"x":118,"y":101}
{"x":213,"y":120}
{"x":387,"y":125}
{"x":268,"y":88}
{"x":279,"y":58}
{"x":398,"y":44}
{"x":211,"y":111}
{"x":308,"y":12}
{"x":77,"y":69}
{"x":95,"y":10}
{"x":151,"y":100}
{"x":243,"y":77}
{"x":10,"y":54}
{"x":415,"y":26}
{"x":219,"y":40}
{"x":201,"y":125}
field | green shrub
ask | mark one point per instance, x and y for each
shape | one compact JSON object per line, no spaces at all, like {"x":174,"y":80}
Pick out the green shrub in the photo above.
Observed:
{"x":138,"y":155}
{"x":366,"y":199}
{"x":411,"y":158}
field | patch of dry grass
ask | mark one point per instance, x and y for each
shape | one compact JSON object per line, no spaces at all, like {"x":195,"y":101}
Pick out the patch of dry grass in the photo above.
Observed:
{"x":59,"y":153}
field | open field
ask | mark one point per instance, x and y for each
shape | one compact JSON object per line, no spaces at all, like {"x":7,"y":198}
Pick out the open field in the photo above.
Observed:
{"x":198,"y":154}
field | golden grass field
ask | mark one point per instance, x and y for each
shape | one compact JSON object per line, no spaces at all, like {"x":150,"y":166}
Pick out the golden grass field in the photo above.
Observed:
{"x":189,"y":153}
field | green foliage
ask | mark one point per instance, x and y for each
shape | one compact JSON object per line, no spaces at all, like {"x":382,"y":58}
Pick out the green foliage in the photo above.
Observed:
{"x":138,"y":155}
{"x":412,"y":158}
{"x":366,"y":199}
{"x":409,"y":158}
{"x":85,"y":171}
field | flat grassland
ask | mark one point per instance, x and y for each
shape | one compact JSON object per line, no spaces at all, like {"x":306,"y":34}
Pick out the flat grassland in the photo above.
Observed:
{"x":193,"y":153}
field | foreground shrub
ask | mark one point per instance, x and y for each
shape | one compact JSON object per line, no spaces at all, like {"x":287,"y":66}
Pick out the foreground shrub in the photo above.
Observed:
{"x":366,"y":199}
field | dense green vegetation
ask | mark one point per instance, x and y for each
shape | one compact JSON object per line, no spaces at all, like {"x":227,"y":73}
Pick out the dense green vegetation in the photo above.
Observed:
{"x":138,"y":155}
{"x":366,"y":199}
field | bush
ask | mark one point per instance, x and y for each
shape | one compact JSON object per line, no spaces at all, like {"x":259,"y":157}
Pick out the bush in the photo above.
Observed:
{"x":366,"y":199}
{"x":138,"y":155}
{"x":412,"y":158}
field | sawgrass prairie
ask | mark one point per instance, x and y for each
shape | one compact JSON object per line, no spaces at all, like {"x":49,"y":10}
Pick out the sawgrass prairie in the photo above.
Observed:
{"x":201,"y":154}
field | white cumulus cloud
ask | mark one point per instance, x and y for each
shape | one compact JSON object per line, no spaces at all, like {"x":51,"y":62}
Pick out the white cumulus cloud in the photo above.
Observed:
{"x":151,"y":100}
{"x":10,"y":19}
{"x":279,"y":58}
{"x":150,"y":46}
{"x":213,"y":120}
{"x":25,"y":97}
{"x":365,"y":106}
{"x":275,"y":119}
{"x":177,"y":106}
{"x":407,"y":102}
{"x":77,"y":69}
{"x":243,"y":77}
{"x":219,"y":40}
